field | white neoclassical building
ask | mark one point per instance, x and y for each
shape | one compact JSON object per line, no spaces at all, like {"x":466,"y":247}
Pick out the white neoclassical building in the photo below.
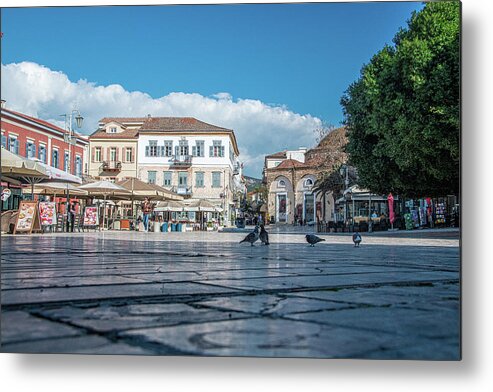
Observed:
{"x":192,"y":158}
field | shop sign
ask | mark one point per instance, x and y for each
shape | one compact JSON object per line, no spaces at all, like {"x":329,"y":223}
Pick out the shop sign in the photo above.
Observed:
{"x":6,"y":193}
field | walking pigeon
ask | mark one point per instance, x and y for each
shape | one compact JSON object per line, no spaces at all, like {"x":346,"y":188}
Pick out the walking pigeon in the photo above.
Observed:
{"x":252,"y":237}
{"x":264,"y":236}
{"x":312,"y":239}
{"x":356,"y":239}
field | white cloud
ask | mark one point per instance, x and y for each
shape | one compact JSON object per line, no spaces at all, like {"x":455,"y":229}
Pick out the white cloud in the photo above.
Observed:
{"x":260,"y":128}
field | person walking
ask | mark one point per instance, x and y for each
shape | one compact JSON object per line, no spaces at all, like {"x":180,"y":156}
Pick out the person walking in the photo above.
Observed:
{"x":146,"y":210}
{"x":70,"y":217}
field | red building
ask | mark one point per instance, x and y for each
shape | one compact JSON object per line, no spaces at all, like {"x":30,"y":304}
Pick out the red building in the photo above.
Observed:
{"x":34,"y":138}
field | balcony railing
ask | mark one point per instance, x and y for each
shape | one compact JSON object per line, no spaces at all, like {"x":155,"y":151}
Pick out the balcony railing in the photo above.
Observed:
{"x":110,"y":166}
{"x":182,"y":190}
{"x":181,"y":160}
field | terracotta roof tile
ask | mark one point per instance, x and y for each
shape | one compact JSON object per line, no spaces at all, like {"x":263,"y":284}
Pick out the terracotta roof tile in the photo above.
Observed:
{"x":281,"y":154}
{"x":106,"y":120}
{"x":127,"y":134}
{"x":170,"y":124}
{"x":43,"y":122}
{"x":290,"y":164}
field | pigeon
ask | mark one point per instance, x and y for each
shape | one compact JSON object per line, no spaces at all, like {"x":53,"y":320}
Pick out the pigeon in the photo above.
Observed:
{"x":252,"y":237}
{"x":264,"y":236}
{"x":312,"y":239}
{"x":356,"y":239}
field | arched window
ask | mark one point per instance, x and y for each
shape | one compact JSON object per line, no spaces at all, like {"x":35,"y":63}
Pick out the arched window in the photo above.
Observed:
{"x":281,"y":184}
{"x":308,"y":183}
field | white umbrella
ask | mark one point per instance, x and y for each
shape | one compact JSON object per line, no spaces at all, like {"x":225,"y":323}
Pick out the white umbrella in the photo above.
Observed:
{"x":28,"y":170}
{"x":201,"y":206}
{"x":169,"y":206}
{"x":104,"y":188}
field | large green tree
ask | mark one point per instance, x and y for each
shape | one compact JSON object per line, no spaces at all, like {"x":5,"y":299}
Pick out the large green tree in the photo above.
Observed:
{"x":403,"y":113}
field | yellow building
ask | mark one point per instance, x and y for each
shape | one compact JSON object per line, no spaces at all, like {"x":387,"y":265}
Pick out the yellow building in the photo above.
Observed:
{"x":113,"y":148}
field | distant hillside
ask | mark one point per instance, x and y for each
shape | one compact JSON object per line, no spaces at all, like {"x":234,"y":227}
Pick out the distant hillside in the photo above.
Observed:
{"x":252,"y":183}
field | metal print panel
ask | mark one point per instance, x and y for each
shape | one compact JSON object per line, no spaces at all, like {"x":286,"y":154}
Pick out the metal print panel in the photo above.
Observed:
{"x":264,"y":180}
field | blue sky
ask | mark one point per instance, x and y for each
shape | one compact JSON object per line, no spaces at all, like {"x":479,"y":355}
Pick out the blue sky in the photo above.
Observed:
{"x":300,"y":57}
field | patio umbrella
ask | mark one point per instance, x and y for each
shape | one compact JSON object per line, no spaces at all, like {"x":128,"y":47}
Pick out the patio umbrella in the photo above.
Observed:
{"x":169,"y":206}
{"x":15,"y":166}
{"x":105,"y":188}
{"x":57,"y":188}
{"x":201,"y":206}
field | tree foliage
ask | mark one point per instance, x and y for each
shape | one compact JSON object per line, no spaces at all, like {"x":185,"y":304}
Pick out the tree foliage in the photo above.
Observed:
{"x":403,"y":113}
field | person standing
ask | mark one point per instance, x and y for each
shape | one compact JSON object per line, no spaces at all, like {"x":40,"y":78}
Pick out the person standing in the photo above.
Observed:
{"x":146,"y":210}
{"x":70,"y":217}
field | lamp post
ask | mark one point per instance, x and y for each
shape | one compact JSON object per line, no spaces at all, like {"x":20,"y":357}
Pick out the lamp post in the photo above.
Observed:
{"x":70,"y":139}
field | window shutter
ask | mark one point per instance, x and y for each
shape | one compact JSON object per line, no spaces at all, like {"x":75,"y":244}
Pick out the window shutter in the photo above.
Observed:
{"x":177,"y":150}
{"x":93,"y":154}
{"x":194,"y":151}
{"x":16,"y":144}
{"x":133,"y":155}
{"x":211,"y":151}
{"x":147,"y":151}
{"x":222,"y":151}
{"x":34,"y":150}
{"x":124,"y":156}
{"x":116,"y":154}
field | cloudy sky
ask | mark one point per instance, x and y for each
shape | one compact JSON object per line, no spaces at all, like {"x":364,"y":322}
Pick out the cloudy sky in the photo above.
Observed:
{"x":273,"y":73}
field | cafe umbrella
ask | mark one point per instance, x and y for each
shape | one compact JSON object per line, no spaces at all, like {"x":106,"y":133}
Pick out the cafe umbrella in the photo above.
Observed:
{"x":27,"y":170}
{"x":105,"y":188}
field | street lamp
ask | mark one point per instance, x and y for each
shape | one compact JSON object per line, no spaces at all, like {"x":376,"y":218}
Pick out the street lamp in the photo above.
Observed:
{"x":71,"y":140}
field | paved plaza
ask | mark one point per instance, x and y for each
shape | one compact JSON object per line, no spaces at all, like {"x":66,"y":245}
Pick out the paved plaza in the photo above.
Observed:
{"x":202,"y":293}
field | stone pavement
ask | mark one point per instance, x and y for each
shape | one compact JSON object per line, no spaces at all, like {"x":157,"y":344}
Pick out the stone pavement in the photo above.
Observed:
{"x":396,"y":297}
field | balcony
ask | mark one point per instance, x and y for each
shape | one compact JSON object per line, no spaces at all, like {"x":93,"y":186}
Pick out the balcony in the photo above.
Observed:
{"x":182,"y":190}
{"x":181,"y":161}
{"x":110,"y":167}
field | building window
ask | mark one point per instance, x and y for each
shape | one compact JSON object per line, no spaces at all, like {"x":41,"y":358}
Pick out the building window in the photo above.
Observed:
{"x":78,"y":166}
{"x":217,"y":149}
{"x":113,"y":130}
{"x":65,"y":161}
{"x":199,"y":179}
{"x":113,"y":154}
{"x":167,"y":178}
{"x":42,"y":153}
{"x":183,"y":148}
{"x":231,"y":154}
{"x":281,"y":184}
{"x":30,"y":149}
{"x":182,"y":179}
{"x":97,"y":154}
{"x":4,"y":141}
{"x":128,"y":154}
{"x":198,"y":149}
{"x":216,"y":179}
{"x":13,"y":145}
{"x":168,"y":148}
{"x":54,"y":158}
{"x":151,"y":149}
{"x":151,"y":177}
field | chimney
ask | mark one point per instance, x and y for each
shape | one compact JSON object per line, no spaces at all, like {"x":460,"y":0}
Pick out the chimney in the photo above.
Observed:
{"x":148,"y":116}
{"x":3,"y":103}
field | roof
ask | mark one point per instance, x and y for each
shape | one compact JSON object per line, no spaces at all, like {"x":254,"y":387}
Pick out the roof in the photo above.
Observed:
{"x":127,"y":134}
{"x":281,"y":154}
{"x":121,"y":120}
{"x":170,"y":124}
{"x":289,"y":164}
{"x":42,"y":122}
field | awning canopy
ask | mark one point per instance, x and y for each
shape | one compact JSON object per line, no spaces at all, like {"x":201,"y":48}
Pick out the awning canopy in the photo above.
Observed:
{"x":169,"y":206}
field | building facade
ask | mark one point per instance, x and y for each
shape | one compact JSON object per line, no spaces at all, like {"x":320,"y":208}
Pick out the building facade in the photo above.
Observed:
{"x":113,"y":148}
{"x":34,"y":138}
{"x":291,"y":175}
{"x":192,"y":158}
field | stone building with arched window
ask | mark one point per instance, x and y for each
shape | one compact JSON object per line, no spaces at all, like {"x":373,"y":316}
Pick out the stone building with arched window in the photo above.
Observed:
{"x":290,"y":177}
